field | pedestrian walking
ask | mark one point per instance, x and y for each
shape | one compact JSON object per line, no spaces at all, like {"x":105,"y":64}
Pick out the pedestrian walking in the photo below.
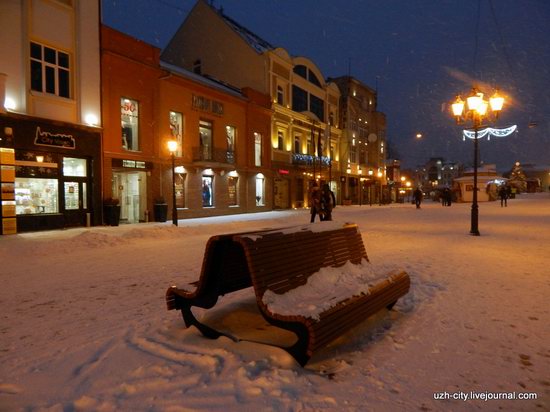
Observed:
{"x":315,"y":202}
{"x":328,"y":201}
{"x":418,"y":195}
{"x":503,"y":195}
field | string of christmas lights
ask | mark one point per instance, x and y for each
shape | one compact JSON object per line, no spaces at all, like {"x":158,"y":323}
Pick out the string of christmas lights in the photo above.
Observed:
{"x":489,"y":131}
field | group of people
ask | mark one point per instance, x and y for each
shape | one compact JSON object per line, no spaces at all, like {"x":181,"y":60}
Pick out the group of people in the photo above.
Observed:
{"x":446,"y":197}
{"x":322,"y":201}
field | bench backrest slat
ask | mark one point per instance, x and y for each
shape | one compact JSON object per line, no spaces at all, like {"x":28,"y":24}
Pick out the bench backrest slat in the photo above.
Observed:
{"x":280,"y":262}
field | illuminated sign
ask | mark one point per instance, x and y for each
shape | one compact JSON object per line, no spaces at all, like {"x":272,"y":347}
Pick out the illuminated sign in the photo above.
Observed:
{"x":65,"y":141}
{"x":135,"y":164}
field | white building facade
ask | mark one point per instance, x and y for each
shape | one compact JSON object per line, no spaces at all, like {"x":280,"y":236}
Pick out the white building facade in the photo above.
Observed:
{"x":50,"y":112}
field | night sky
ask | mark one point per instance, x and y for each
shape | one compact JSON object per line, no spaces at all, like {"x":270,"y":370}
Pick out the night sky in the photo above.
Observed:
{"x":418,"y":53}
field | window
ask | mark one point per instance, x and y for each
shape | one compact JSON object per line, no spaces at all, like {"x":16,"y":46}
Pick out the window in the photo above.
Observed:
{"x":309,"y":147}
{"x":50,"y":71}
{"x":129,"y":117}
{"x":232,"y":190}
{"x":280,"y":140}
{"x":297,"y":144}
{"x":207,"y":200}
{"x":317,"y":106}
{"x":260,"y":180}
{"x":180,"y":189}
{"x":74,"y":167}
{"x":307,"y":74}
{"x":353,"y":154}
{"x":205,"y":140}
{"x":299,"y":99}
{"x":301,"y":70}
{"x":332,"y":150}
{"x":230,"y":137}
{"x":313,"y":79}
{"x":71,"y":195}
{"x":176,"y":130}
{"x":33,"y":196}
{"x":280,"y":95}
{"x":257,"y":149}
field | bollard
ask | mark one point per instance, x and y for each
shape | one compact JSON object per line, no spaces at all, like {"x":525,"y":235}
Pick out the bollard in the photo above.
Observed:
{"x":88,"y":219}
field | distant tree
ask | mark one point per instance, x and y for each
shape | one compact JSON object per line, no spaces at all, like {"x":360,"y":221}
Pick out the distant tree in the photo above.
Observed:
{"x":517,"y":178}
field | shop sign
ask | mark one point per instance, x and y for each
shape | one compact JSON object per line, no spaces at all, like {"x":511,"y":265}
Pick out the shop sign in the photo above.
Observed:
{"x":283,"y":171}
{"x":65,"y":141}
{"x":206,"y":105}
{"x":134,"y":164}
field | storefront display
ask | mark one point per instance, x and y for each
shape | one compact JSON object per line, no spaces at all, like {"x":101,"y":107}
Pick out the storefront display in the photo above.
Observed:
{"x":54,"y":174}
{"x":36,"y":196}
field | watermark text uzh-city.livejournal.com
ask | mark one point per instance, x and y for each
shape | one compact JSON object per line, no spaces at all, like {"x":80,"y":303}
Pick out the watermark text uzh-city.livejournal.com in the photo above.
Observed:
{"x":484,"y":396}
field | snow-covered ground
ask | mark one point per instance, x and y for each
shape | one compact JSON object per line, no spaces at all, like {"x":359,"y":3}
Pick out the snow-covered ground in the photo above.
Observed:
{"x":84,"y":324}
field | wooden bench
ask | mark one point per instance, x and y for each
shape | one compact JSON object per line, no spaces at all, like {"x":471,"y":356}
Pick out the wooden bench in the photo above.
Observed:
{"x":281,"y":260}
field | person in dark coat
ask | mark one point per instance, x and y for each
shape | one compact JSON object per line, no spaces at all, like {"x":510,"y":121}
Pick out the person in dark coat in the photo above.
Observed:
{"x":503,"y":194}
{"x":418,"y":195}
{"x":328,"y":201}
{"x":315,"y":201}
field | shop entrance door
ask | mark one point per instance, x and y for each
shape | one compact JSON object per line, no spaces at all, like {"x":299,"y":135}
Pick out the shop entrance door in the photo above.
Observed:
{"x":280,"y":194}
{"x":76,"y":203}
{"x":130,"y":189}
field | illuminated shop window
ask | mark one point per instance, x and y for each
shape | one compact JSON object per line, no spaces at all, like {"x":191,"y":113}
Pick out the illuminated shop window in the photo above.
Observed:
{"x":129,"y":117}
{"x":176,"y":131}
{"x":74,"y":167}
{"x":34,"y":196}
{"x":180,"y":189}
{"x":260,"y":190}
{"x":207,"y":193}
{"x":232,"y":184}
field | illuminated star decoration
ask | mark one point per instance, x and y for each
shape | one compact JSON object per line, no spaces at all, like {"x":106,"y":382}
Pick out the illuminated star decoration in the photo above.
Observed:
{"x":488,"y":132}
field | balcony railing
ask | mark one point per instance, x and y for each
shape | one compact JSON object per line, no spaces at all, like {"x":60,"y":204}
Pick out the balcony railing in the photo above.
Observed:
{"x":205,"y":154}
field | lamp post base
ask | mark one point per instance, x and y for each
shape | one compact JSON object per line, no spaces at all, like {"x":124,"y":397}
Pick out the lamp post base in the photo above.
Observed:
{"x":474,"y":231}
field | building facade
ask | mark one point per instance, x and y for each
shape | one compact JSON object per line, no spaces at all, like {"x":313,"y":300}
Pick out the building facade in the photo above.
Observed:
{"x":363,"y":143}
{"x":304,"y":135}
{"x":222,"y":157}
{"x":50,"y":114}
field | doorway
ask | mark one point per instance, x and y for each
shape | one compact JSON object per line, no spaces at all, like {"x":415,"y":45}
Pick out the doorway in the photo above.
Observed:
{"x":131,"y":189}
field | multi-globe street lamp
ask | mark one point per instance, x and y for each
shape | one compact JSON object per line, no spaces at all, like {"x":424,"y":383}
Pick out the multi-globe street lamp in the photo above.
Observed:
{"x":172,"y":148}
{"x":476,"y":110}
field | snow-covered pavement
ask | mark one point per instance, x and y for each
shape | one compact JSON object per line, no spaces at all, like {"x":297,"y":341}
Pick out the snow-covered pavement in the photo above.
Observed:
{"x":84,"y":324}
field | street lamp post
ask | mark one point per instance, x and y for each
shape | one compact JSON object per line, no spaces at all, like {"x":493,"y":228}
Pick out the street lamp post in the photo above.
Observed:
{"x":476,"y":111}
{"x":172,"y":148}
{"x":380,"y":174}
